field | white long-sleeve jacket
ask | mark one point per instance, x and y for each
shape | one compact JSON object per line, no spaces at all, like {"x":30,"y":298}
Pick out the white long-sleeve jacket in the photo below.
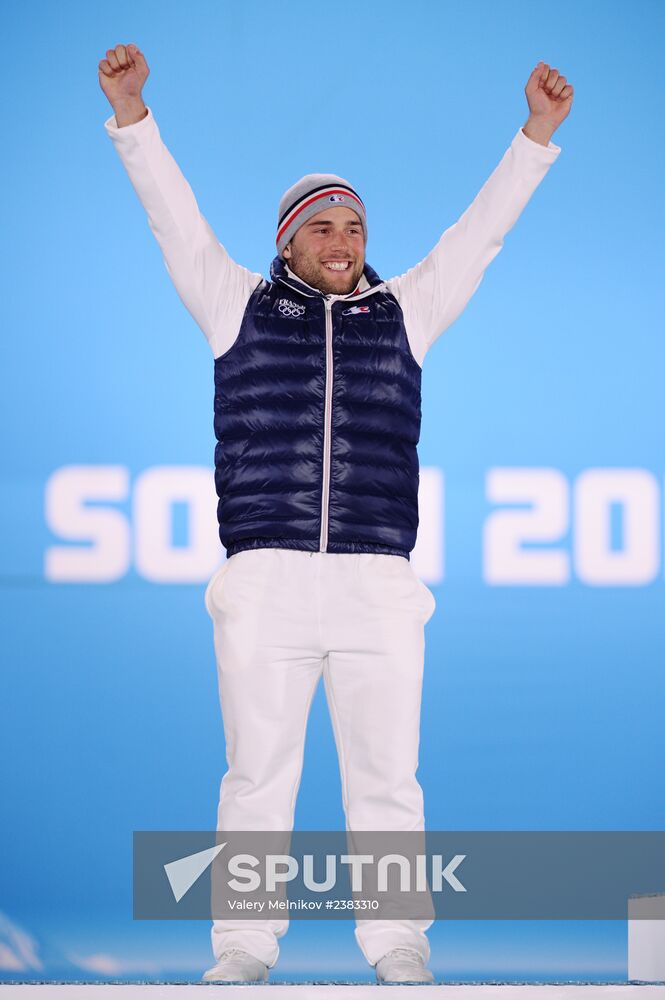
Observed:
{"x":215,"y":289}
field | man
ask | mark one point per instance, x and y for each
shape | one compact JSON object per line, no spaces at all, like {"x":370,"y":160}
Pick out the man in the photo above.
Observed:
{"x":317,"y":419}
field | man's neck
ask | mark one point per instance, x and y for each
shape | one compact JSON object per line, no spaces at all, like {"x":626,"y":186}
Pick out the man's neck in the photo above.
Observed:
{"x":362,"y":285}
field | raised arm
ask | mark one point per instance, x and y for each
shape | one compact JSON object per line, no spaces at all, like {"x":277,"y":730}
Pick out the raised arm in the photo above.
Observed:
{"x":212,"y":286}
{"x":434,"y":292}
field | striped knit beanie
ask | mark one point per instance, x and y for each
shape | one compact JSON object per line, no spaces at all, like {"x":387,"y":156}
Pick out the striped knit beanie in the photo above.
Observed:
{"x":311,"y":195}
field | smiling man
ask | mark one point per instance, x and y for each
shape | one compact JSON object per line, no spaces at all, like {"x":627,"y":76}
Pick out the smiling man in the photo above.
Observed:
{"x":317,"y":419}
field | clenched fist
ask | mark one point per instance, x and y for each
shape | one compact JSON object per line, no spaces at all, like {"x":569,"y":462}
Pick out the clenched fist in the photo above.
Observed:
{"x":121,"y":77}
{"x":548,"y":94}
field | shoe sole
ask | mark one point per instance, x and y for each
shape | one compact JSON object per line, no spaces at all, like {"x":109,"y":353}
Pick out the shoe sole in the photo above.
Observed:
{"x":239,"y":982}
{"x":406,"y":982}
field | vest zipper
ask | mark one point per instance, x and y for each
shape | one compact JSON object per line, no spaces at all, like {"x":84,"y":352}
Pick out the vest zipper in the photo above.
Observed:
{"x":327,"y":418}
{"x":327,"y":429}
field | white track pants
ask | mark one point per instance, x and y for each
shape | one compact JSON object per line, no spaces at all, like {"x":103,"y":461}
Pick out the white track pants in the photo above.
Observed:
{"x":282,"y":618}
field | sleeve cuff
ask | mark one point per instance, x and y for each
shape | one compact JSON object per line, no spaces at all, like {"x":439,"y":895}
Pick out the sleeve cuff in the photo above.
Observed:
{"x":549,"y":152}
{"x":128,"y":131}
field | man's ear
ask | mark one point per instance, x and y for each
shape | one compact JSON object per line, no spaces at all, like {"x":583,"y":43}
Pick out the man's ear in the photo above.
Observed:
{"x":286,"y":252}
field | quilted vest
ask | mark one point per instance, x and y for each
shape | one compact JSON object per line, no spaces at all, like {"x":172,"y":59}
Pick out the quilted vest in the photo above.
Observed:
{"x":317,"y":419}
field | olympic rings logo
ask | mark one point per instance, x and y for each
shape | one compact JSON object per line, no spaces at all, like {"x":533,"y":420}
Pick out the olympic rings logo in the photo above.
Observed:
{"x":290,"y":309}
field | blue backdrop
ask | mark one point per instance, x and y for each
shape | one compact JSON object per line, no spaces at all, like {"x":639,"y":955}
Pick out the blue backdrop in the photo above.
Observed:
{"x":542,"y":448}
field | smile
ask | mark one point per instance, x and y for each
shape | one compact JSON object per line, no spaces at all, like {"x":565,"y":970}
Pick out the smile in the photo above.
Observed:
{"x":337,"y":265}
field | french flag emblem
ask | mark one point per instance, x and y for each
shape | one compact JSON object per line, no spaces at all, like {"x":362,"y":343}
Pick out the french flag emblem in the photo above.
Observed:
{"x":355,"y":309}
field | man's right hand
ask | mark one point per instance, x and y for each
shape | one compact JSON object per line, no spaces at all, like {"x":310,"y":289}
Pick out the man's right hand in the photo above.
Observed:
{"x":121,"y":77}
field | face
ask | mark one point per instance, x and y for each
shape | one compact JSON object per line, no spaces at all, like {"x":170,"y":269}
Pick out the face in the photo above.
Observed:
{"x":321,"y":246}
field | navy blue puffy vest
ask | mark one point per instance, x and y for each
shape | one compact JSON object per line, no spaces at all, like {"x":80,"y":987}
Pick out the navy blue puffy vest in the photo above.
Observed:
{"x":317,"y":419}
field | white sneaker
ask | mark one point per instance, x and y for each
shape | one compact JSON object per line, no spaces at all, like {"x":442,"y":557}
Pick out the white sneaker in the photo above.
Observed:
{"x":237,"y":966}
{"x":402,"y":965}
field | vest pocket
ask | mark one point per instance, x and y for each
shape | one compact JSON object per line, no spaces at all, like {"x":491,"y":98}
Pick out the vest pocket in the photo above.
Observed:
{"x":232,"y":462}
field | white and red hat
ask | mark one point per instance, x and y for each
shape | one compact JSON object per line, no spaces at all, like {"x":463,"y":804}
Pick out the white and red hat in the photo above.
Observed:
{"x":310,"y":195}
